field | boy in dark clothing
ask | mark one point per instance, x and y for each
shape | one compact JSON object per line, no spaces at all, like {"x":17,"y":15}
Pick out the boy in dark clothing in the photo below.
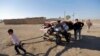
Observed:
{"x":57,"y":29}
{"x":61,"y":28}
{"x":65,"y":32}
{"x":77,"y":29}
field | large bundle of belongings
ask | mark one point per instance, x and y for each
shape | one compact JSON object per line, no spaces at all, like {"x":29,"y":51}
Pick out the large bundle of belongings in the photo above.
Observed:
{"x":49,"y":30}
{"x":68,"y":23}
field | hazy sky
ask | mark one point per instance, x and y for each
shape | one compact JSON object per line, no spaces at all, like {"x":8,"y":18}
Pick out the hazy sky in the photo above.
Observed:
{"x":49,"y":8}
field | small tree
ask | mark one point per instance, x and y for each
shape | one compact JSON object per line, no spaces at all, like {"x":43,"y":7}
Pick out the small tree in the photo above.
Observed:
{"x":68,"y":17}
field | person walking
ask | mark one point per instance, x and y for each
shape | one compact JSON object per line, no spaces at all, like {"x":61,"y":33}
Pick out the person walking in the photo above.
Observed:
{"x":16,"y":42}
{"x":89,"y":24}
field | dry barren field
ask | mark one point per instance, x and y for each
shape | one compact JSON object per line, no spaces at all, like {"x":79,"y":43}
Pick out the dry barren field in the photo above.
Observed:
{"x":35,"y":45}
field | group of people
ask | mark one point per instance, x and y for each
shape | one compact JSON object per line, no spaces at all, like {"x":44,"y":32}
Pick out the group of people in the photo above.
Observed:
{"x":59,"y":29}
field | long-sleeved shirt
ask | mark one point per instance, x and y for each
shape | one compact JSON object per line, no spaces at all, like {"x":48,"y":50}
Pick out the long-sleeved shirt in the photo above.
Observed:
{"x":78,"y":25}
{"x":15,"y":39}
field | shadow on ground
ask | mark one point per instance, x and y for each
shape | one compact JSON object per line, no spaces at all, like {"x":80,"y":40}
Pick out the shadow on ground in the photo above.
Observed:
{"x":87,"y":42}
{"x":4,"y":55}
{"x":32,"y":38}
{"x":28,"y":54}
{"x":49,"y":50}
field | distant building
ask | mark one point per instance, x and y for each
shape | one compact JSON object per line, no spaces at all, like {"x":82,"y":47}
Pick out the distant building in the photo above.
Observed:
{"x":53,"y":19}
{"x":35,"y":20}
{"x":1,"y":21}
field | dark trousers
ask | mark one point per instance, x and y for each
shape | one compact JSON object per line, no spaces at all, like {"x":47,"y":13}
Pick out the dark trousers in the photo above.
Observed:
{"x":58,"y":38}
{"x":66,"y":36}
{"x":77,"y":34}
{"x":17,"y":47}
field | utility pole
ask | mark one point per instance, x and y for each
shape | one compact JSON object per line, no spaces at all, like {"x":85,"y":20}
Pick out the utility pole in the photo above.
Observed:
{"x":73,"y":15}
{"x":64,"y":15}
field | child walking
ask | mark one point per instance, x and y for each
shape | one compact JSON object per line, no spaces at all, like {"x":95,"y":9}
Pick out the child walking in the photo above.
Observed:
{"x":16,"y":42}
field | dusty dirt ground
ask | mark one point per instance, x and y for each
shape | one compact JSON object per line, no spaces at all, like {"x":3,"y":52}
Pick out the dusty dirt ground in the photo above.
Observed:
{"x":89,"y":45}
